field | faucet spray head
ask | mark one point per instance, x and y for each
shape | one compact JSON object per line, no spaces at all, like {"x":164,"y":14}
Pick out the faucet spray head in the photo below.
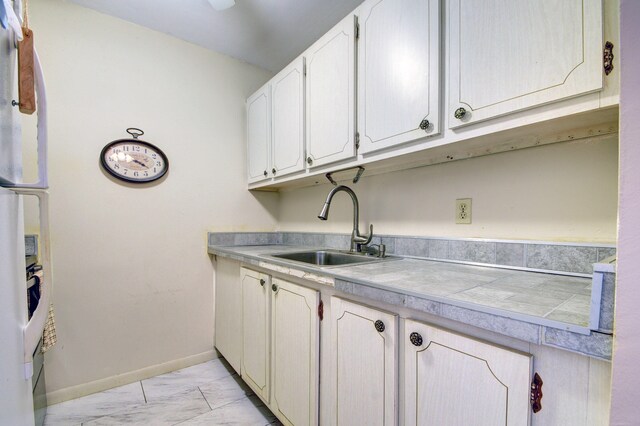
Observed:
{"x":324,"y":213}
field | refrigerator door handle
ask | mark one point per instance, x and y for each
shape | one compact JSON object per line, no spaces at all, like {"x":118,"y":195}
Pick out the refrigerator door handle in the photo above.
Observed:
{"x":34,"y":328}
{"x":41,"y":101}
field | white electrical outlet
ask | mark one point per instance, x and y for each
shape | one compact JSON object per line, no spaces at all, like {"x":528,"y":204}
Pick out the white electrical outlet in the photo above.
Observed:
{"x":463,"y":210}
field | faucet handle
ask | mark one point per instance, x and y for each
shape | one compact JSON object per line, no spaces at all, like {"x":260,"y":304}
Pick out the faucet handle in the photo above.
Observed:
{"x":370,"y":236}
{"x":364,"y":239}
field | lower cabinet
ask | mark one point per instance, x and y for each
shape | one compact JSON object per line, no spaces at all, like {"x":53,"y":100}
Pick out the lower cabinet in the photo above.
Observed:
{"x":255,"y":331}
{"x":280,"y":344}
{"x":228,"y":312}
{"x":365,"y":352}
{"x":295,"y":349}
{"x":452,"y":380}
{"x":380,"y":369}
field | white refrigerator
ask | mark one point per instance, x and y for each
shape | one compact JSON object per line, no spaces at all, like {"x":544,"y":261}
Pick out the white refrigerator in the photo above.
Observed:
{"x":18,"y":335}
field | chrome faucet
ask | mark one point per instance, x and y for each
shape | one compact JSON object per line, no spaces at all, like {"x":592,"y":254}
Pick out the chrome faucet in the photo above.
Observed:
{"x":357,"y":240}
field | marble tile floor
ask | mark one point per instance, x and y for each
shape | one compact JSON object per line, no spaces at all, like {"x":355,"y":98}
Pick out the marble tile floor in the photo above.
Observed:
{"x":210,"y":393}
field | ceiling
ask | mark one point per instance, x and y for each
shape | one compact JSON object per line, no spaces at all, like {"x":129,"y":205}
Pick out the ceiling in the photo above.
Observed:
{"x":266,"y":33}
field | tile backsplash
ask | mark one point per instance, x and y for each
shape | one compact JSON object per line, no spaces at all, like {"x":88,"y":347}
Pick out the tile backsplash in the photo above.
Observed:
{"x":560,"y":257}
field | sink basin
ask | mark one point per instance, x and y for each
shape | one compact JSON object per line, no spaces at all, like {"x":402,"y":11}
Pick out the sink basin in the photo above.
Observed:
{"x":328,"y":258}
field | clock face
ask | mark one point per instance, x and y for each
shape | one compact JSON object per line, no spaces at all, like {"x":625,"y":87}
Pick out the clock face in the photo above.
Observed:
{"x":134,"y":161}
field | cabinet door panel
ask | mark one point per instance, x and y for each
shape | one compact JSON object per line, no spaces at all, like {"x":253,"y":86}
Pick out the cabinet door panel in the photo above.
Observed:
{"x":228,"y":321}
{"x":330,"y":95}
{"x":287,"y":116}
{"x":295,"y":353}
{"x":398,"y":71}
{"x":365,"y":364}
{"x":255,"y":331}
{"x":258,"y":134}
{"x":510,"y":55}
{"x":454,"y":380}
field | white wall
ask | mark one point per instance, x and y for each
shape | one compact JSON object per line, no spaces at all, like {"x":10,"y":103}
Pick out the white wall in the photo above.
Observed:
{"x":561,"y":192}
{"x":133,"y":279}
{"x":626,"y":350}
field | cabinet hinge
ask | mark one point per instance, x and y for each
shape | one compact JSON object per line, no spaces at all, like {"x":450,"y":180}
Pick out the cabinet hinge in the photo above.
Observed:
{"x":357,"y":140}
{"x":356,"y":27}
{"x":321,"y":310}
{"x":536,"y":393}
{"x":607,"y":57}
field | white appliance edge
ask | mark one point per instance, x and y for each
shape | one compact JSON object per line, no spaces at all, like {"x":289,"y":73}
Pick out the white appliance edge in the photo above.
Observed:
{"x":19,"y":337}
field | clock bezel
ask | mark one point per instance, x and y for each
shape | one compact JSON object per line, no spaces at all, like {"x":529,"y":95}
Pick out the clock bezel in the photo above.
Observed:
{"x":128,"y":179}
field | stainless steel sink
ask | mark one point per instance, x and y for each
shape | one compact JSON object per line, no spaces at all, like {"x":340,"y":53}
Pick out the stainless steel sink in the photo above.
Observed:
{"x":329,"y":258}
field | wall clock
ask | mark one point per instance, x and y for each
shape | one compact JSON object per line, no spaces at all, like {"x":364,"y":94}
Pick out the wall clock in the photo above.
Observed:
{"x":134,"y":160}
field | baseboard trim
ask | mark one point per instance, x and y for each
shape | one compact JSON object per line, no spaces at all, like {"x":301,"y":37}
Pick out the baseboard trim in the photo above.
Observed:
{"x":85,"y":389}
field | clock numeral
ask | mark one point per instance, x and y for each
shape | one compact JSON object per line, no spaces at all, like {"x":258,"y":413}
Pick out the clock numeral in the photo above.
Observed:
{"x":136,"y":148}
{"x":135,"y":173}
{"x":145,"y":150}
{"x":158,"y":163}
{"x":146,"y":173}
{"x":116,"y":166}
{"x":125,"y":171}
{"x":153,"y":156}
{"x":154,"y":170}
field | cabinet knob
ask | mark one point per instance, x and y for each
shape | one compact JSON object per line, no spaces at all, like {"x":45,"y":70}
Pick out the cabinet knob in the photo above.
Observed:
{"x":273,"y":171}
{"x":309,"y":160}
{"x":265,"y":173}
{"x":460,"y":113}
{"x":424,"y":124}
{"x":262,"y":282}
{"x":379,"y":326}
{"x":416,"y":339}
{"x":274,"y":287}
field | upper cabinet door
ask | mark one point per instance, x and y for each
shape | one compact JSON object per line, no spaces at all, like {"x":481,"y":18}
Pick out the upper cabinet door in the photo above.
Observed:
{"x":330,"y":95}
{"x":287,"y":114}
{"x":506,"y":56}
{"x":398,"y":72}
{"x":258,"y":134}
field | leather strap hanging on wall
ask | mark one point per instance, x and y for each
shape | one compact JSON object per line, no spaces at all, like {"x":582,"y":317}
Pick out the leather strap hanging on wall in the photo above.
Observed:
{"x":26,"y":83}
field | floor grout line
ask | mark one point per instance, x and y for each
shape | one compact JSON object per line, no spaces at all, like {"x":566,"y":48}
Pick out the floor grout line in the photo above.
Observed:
{"x":143,"y":393}
{"x":205,"y":398}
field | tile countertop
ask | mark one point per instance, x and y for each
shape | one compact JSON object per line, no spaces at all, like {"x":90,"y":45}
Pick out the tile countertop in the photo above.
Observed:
{"x":525,"y":305}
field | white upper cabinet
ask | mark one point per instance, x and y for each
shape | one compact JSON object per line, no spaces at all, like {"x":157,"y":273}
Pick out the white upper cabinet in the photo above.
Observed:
{"x":398,"y":72}
{"x":287,"y":115}
{"x":330,"y":84}
{"x":258,"y":134}
{"x":506,"y":56}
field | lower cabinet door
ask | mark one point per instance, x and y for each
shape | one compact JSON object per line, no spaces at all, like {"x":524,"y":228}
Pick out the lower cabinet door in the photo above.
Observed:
{"x":295,"y":353}
{"x":451,"y":380}
{"x":365,"y":351}
{"x":255,"y":331}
